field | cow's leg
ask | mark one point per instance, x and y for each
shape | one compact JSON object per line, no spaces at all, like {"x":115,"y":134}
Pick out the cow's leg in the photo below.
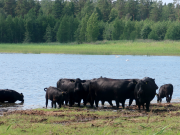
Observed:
{"x":136,"y":102}
{"x":130,"y":101}
{"x":46,"y":102}
{"x":123,"y":104}
{"x":66,"y":102}
{"x":85,"y":101}
{"x":117,"y":103}
{"x":143,"y":105}
{"x":70,"y":102}
{"x":139,"y":106}
{"x":170,"y":98}
{"x":96,"y":102}
{"x":55,"y":104}
{"x":160,"y":100}
{"x":79,"y":103}
{"x":60,"y":104}
{"x":147,"y":106}
{"x":110,"y":102}
{"x":102,"y":102}
{"x":73,"y":102}
{"x":52,"y":104}
{"x":91,"y":103}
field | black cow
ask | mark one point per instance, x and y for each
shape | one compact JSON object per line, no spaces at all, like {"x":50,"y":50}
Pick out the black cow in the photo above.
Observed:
{"x":74,"y":89}
{"x":106,"y":89}
{"x":145,"y":91}
{"x":55,"y":95}
{"x":165,"y":90}
{"x":10,"y":95}
{"x":85,"y":92}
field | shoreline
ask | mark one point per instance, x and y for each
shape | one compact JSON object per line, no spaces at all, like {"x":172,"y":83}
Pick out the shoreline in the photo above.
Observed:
{"x":148,"y":48}
{"x":162,"y":118}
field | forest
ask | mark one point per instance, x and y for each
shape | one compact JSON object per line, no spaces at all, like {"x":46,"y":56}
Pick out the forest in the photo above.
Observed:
{"x":33,"y":21}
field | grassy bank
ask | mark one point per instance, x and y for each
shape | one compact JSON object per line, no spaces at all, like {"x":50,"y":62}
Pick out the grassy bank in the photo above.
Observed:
{"x":162,"y":119}
{"x":139,"y":47}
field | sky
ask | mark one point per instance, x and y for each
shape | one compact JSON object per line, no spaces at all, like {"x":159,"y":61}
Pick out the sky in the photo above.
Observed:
{"x":167,"y":1}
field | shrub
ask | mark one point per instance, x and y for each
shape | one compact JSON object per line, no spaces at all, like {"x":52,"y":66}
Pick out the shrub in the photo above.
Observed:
{"x":173,"y":31}
{"x":145,"y":31}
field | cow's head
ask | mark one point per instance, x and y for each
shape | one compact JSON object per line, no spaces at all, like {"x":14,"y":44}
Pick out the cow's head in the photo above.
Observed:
{"x":21,"y":97}
{"x":132,"y":84}
{"x":156,"y":87}
{"x":158,"y":98}
{"x":78,"y":85}
{"x":64,"y":94}
{"x":140,"y":88}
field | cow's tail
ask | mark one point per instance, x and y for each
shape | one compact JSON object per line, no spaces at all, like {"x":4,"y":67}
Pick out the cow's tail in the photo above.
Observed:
{"x":45,"y":89}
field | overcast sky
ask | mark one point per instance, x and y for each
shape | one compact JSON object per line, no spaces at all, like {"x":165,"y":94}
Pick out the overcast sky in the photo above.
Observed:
{"x":167,"y":1}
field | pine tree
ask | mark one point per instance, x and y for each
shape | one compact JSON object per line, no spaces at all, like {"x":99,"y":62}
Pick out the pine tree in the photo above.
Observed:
{"x":83,"y":28}
{"x":62,"y":34}
{"x":9,"y":7}
{"x":31,"y":27}
{"x":118,"y":29}
{"x":2,"y":29}
{"x":92,"y":30}
{"x":46,"y":6}
{"x":131,"y":9}
{"x":113,"y":15}
{"x":37,"y":7}
{"x":105,"y":8}
{"x":128,"y":29}
{"x":68,"y":8}
{"x":21,"y":8}
{"x":57,"y":8}
{"x":48,"y":35}
{"x":10,"y":29}
{"x":73,"y":25}
{"x":121,"y":8}
{"x":86,"y":10}
{"x":154,"y":14}
{"x":21,"y":29}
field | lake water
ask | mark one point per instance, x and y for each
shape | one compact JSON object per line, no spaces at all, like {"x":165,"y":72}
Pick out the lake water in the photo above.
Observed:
{"x":31,"y":73}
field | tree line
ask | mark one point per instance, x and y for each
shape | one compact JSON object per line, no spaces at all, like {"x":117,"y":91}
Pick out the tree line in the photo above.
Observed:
{"x":87,"y":20}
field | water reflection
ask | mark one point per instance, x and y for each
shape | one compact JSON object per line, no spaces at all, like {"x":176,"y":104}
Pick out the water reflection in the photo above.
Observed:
{"x":31,"y":73}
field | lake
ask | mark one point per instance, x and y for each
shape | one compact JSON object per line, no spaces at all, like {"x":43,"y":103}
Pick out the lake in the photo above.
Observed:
{"x":31,"y":73}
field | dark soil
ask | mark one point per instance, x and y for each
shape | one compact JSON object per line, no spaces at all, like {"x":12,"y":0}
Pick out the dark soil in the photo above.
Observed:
{"x":88,"y":114}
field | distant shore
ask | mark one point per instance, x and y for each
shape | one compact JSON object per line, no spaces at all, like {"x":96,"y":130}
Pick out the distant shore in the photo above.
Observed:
{"x":119,"y":47}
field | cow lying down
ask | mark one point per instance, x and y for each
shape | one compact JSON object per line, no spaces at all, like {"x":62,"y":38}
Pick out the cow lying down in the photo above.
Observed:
{"x":10,"y":95}
{"x":55,"y":95}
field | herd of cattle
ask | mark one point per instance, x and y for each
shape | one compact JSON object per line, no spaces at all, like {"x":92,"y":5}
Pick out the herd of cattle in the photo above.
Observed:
{"x":106,"y":89}
{"x":100,"y":89}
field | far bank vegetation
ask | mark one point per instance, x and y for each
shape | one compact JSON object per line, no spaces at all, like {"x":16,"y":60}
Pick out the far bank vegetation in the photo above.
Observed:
{"x":87,"y":21}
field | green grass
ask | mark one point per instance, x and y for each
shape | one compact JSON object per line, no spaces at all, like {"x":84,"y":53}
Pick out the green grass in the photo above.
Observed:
{"x":86,"y":121}
{"x":139,"y":47}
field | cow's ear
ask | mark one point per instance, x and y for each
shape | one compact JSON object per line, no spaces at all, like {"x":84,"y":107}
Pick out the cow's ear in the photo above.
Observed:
{"x":72,"y":81}
{"x":83,"y":81}
{"x":134,"y":81}
{"x":146,"y":82}
{"x":21,"y":94}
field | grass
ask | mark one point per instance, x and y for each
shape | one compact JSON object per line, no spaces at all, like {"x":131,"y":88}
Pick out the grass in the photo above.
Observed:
{"x":87,"y":121}
{"x":139,"y":47}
